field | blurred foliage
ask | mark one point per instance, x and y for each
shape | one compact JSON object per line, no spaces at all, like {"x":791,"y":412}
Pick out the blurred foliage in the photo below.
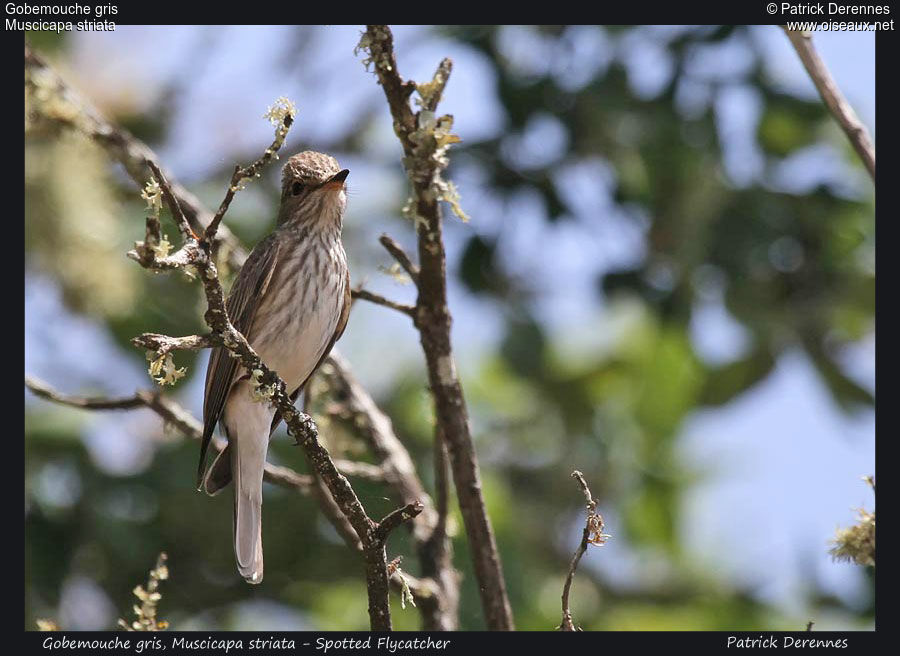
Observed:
{"x":796,"y":271}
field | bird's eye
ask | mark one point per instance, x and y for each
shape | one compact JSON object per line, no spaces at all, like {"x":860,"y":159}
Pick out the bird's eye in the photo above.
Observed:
{"x":296,"y":189}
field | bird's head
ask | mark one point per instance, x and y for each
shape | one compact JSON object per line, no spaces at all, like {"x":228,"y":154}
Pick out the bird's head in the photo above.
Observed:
{"x":313,"y":190}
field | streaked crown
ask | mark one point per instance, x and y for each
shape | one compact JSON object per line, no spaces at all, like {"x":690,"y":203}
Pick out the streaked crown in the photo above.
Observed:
{"x":309,"y":167}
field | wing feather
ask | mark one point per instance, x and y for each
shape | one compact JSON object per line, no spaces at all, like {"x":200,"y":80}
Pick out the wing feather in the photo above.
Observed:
{"x":246,"y":294}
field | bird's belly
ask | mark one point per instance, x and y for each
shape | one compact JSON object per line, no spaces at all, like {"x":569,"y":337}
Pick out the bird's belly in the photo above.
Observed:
{"x":295,"y":352}
{"x":293,"y":345}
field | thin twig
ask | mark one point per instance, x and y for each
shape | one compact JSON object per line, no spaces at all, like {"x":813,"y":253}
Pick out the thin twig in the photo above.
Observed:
{"x":396,"y":518}
{"x":357,"y":469}
{"x":592,"y":534}
{"x":436,"y":552}
{"x":252,"y":171}
{"x":352,"y":404}
{"x":172,"y":413}
{"x":442,"y":487}
{"x":67,"y":109}
{"x":299,"y":425}
{"x":378,"y":299}
{"x":152,"y":238}
{"x":61,"y":105}
{"x":278,"y":475}
{"x":43,"y":390}
{"x":396,"y":250}
{"x":172,"y":202}
{"x":833,"y":98}
{"x":163,"y":344}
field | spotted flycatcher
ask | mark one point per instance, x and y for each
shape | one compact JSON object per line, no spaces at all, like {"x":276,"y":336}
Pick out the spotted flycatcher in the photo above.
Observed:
{"x":291,"y":300}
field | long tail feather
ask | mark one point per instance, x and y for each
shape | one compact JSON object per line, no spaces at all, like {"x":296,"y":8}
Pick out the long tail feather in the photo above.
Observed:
{"x":248,"y":462}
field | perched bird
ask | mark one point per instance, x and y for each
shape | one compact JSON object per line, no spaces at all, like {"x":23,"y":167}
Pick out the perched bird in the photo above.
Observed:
{"x":290,"y":300}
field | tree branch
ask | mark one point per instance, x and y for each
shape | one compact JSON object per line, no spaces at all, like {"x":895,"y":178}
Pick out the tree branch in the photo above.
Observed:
{"x":354,"y":405}
{"x":377,"y":299}
{"x":43,"y":390}
{"x":833,"y":98}
{"x":68,"y":110}
{"x":55,"y":101}
{"x":592,"y":534}
{"x":402,"y":258}
{"x":163,"y":344}
{"x":396,"y":518}
{"x":172,"y":202}
{"x":423,"y":590}
{"x":282,"y":116}
{"x":299,"y":425}
{"x":425,"y":140}
{"x":172,"y":413}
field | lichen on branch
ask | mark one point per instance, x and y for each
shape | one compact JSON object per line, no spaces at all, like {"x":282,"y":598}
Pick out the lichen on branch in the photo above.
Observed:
{"x":149,"y":598}
{"x":195,"y":255}
{"x":426,"y":138}
{"x":857,"y":543}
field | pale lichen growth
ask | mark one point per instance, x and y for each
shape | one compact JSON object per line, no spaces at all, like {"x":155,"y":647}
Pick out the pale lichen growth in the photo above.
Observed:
{"x":397,"y":272}
{"x":448,"y":193}
{"x":260,"y":392}
{"x":442,"y":135}
{"x":381,"y":60}
{"x":431,"y":140}
{"x":406,"y":594}
{"x":596,"y":536}
{"x":277,"y":112}
{"x":446,"y":370}
{"x":365,"y":41}
{"x":50,"y":100}
{"x":410,"y":211}
{"x":428,"y":89}
{"x":857,"y":543}
{"x":162,"y":248}
{"x":281,"y":115}
{"x":149,"y":598}
{"x":190,"y":271}
{"x":162,"y":369}
{"x":230,"y":343}
{"x":152,"y":193}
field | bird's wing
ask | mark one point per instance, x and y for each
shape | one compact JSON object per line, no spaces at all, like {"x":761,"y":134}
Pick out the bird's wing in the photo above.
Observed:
{"x":339,"y":330}
{"x":246,"y":294}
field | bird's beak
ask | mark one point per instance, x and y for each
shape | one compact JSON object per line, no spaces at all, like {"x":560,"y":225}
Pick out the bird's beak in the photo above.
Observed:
{"x":336,"y":183}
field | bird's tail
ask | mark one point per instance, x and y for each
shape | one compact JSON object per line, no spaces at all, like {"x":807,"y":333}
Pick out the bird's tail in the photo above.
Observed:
{"x":247,"y":464}
{"x":218,"y":476}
